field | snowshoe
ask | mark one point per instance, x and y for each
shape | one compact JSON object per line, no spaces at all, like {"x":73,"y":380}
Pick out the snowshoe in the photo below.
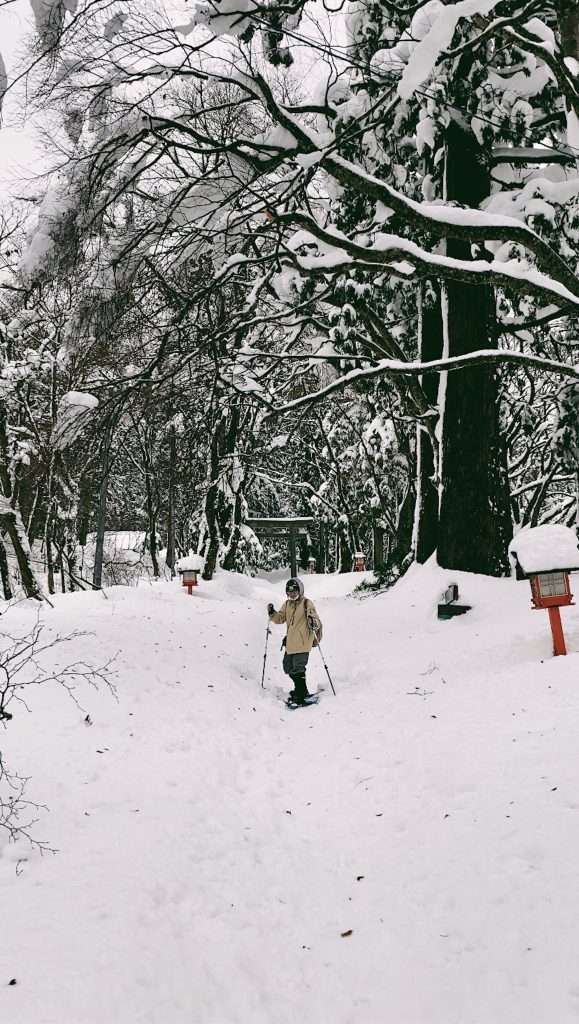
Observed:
{"x":312,"y":698}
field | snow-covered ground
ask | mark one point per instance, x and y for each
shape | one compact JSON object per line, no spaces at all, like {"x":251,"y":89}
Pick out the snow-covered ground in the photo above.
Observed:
{"x":404,"y":852}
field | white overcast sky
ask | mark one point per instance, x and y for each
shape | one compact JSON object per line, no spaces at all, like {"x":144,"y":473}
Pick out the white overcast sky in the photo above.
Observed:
{"x":20,"y":157}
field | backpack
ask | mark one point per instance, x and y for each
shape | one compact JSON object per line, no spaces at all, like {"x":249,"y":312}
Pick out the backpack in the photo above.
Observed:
{"x":318,"y":635}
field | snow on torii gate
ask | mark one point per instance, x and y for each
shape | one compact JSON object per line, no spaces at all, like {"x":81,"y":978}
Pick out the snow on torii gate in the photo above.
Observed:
{"x":291,"y":527}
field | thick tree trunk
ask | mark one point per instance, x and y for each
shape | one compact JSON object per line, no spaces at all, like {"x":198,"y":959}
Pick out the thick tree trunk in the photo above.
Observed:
{"x":426,"y":511}
{"x":84,"y":509}
{"x":568,"y":17}
{"x":474,"y":523}
{"x":377,"y":546}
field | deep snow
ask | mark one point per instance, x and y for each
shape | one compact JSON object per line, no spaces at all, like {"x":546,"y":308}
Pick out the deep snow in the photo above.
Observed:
{"x":215,"y":848}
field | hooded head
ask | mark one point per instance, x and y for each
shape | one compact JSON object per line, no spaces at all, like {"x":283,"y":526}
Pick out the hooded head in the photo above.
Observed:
{"x":294,"y":589}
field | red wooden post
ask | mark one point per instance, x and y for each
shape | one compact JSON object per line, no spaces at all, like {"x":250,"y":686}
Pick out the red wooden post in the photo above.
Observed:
{"x":189,"y":579}
{"x":557,"y":631}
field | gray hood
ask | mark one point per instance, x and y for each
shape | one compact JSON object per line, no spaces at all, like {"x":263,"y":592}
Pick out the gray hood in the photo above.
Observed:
{"x":296,"y":579}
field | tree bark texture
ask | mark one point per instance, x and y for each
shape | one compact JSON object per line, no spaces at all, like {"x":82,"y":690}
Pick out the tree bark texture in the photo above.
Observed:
{"x":431,"y":346}
{"x":377,"y":546}
{"x":568,"y":17}
{"x":212,"y":501}
{"x":475,"y":523}
{"x":152,"y":518}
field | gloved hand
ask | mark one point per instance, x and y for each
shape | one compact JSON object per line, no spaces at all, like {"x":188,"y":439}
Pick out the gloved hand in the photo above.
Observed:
{"x":270,"y":609}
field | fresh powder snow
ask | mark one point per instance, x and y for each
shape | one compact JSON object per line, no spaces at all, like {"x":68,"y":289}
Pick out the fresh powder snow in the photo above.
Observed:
{"x":405,"y":851}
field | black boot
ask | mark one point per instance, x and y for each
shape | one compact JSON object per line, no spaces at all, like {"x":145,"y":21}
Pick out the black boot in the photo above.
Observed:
{"x":300,"y":690}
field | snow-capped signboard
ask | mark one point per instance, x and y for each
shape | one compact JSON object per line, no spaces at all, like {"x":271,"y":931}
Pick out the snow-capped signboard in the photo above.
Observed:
{"x":189,"y":568}
{"x":193,"y":563}
{"x":74,"y":411}
{"x":545,"y":549}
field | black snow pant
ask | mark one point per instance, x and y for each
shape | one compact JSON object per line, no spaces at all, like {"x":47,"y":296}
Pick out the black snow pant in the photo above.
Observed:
{"x":294,"y":665}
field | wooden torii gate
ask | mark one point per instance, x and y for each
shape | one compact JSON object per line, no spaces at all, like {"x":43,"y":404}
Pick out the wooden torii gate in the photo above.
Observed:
{"x":292,"y":528}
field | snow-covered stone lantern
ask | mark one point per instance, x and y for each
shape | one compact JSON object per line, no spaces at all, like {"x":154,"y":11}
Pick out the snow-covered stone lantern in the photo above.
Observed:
{"x":189,"y":568}
{"x":359,"y":561}
{"x":311,"y":565}
{"x":545,"y":555}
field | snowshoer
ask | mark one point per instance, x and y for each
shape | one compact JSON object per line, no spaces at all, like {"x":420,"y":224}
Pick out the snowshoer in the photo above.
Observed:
{"x":304,"y":631}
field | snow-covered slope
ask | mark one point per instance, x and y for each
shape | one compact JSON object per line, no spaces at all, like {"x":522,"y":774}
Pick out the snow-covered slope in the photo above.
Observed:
{"x":404,"y":852}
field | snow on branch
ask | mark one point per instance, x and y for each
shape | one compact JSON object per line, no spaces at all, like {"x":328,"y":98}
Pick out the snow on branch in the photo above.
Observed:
{"x":402,"y":257}
{"x":453,"y":222}
{"x":396,"y":367}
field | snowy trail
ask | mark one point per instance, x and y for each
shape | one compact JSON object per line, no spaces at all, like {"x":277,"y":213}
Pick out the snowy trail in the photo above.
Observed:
{"x":215,"y":847}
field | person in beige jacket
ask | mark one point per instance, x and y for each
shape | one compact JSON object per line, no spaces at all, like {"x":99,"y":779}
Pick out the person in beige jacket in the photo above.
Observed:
{"x":304,"y":630}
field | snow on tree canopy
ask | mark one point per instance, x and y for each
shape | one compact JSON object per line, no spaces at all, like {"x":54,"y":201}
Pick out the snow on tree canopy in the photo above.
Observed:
{"x":191,"y":563}
{"x":545,"y":548}
{"x":74,"y":411}
{"x":435,"y":36}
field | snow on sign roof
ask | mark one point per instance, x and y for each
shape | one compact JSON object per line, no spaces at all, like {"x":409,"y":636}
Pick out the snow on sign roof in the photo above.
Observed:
{"x":191,"y":563}
{"x":545,"y":548}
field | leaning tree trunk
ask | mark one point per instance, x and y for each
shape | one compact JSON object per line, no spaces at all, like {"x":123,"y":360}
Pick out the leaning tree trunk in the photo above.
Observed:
{"x":5,"y":572}
{"x":425,"y":537}
{"x":475,"y":522}
{"x":11,"y":520}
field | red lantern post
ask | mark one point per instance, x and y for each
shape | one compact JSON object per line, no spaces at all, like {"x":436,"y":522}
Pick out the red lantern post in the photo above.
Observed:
{"x":189,"y":579}
{"x":545,"y":555}
{"x":551,"y":590}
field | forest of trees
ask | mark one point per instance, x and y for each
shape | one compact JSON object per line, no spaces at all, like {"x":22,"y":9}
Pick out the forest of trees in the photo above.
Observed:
{"x":291,"y":259}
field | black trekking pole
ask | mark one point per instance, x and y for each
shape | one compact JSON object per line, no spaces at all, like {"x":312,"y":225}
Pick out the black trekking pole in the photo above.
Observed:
{"x":267,"y":632}
{"x":319,"y":646}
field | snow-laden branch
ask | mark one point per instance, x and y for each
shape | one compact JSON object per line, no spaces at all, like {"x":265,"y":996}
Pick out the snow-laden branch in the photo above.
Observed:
{"x":403,"y":257}
{"x":396,"y":367}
